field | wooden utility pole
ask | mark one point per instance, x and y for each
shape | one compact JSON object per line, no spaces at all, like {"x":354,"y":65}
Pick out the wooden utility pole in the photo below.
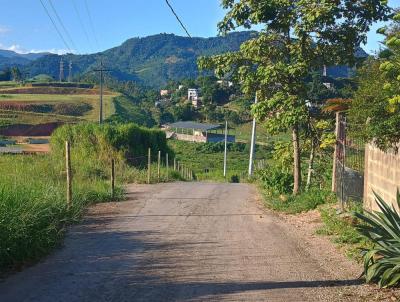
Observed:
{"x":167,"y":164}
{"x":253,"y":142}
{"x":159,"y":166}
{"x":148,"y":166}
{"x":225,"y":149}
{"x":101,"y":70}
{"x":69,"y":173}
{"x":112,"y":177}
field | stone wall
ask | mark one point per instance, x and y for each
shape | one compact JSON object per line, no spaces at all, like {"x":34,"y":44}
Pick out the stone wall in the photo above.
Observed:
{"x":382,"y":175}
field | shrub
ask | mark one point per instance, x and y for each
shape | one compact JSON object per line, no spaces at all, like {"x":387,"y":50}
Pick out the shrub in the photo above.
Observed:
{"x":382,"y":262}
{"x":275,"y":180}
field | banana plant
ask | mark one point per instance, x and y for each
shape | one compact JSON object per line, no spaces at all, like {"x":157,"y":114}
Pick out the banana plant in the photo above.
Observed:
{"x":382,"y":262}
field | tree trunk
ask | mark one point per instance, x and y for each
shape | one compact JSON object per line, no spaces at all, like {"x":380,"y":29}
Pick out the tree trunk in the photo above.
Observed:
{"x":310,"y":165}
{"x":296,"y":160}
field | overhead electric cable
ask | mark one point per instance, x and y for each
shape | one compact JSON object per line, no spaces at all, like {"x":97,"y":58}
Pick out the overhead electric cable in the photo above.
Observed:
{"x":82,"y":25}
{"x":62,"y":25}
{"x":55,"y":26}
{"x":91,"y":24}
{"x":177,"y":18}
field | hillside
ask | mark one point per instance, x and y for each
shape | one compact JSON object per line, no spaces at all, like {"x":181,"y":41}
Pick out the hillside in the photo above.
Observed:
{"x":9,"y":58}
{"x":152,"y":60}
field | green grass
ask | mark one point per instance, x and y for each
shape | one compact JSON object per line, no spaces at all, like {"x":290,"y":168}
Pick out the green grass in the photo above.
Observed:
{"x":93,"y":100}
{"x":342,"y":230}
{"x":303,"y":202}
{"x":33,"y":207}
{"x":195,"y":156}
{"x":243,"y":134}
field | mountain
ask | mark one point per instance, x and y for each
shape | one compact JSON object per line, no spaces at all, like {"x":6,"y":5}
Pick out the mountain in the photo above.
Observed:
{"x":10,"y":58}
{"x":152,"y":60}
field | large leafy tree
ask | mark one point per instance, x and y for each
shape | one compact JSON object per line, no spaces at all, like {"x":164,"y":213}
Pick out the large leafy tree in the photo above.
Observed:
{"x":376,"y":105}
{"x":297,"y":37}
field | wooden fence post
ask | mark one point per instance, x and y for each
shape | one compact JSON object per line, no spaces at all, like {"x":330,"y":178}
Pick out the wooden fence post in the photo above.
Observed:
{"x":158,"y":166}
{"x":335,"y":153}
{"x":69,"y":173}
{"x":167,"y":164}
{"x":148,"y":166}
{"x":112,"y":177}
{"x":174,"y":164}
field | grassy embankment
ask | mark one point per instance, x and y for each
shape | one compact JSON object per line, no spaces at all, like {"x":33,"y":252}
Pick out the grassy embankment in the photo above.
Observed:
{"x":33,"y":209}
{"x":73,"y":106}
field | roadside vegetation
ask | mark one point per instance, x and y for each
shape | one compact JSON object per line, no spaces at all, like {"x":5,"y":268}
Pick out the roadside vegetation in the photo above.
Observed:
{"x":33,"y":208}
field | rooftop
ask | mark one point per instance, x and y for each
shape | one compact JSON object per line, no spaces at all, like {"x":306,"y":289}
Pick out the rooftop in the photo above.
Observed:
{"x":194,"y":125}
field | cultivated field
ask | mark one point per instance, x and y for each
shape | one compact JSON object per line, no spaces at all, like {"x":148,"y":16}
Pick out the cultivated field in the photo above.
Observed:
{"x":32,"y":108}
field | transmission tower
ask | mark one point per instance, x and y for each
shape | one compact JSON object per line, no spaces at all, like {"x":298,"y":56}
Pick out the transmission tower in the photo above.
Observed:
{"x":61,"y":70}
{"x":70,"y":72}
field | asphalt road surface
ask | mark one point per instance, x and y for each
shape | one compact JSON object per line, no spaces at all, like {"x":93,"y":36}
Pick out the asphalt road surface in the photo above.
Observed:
{"x":179,"y":242}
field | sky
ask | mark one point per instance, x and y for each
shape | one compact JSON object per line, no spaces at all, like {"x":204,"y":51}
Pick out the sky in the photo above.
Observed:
{"x":25,"y":26}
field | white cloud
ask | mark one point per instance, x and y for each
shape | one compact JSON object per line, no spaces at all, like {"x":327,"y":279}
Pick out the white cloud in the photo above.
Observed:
{"x":18,"y":49}
{"x":4,"y":30}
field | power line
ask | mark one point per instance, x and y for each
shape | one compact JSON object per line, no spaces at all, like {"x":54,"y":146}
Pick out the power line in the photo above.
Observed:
{"x":177,"y":18}
{"x":62,"y":24}
{"x":55,"y":26}
{"x":82,"y":25}
{"x":91,"y":24}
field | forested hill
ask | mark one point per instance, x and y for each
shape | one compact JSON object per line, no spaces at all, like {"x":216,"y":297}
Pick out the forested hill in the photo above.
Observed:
{"x":152,"y":60}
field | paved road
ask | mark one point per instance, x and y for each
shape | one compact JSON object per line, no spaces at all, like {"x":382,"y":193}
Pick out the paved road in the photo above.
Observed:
{"x":178,"y":242}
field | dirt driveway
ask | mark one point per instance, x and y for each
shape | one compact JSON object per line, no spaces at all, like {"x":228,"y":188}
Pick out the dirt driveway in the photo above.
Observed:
{"x":183,"y":242}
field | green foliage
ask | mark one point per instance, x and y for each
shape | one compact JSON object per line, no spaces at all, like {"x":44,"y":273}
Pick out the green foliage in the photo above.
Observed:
{"x":102,"y":142}
{"x":220,"y":147}
{"x":303,"y":202}
{"x":33,"y":209}
{"x":276,"y":181}
{"x":298,"y":37}
{"x":381,"y":263}
{"x":376,"y":105}
{"x":342,"y":229}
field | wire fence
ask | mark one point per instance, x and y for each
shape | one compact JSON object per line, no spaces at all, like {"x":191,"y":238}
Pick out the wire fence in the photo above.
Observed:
{"x":348,"y":162}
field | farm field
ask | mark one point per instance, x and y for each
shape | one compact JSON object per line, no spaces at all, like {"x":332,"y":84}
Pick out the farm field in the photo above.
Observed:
{"x":35,"y":100}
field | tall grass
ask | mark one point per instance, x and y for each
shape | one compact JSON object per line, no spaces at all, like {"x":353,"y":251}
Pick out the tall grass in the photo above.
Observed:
{"x":33,"y":208}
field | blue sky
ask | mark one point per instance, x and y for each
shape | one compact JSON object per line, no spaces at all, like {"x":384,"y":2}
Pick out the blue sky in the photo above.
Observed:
{"x":24,"y":25}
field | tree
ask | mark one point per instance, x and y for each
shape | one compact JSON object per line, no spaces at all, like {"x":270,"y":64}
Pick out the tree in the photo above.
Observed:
{"x":298,"y":36}
{"x":16,"y":74}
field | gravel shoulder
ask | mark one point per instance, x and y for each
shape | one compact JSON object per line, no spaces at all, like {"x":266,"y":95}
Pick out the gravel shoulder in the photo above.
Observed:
{"x":190,"y":242}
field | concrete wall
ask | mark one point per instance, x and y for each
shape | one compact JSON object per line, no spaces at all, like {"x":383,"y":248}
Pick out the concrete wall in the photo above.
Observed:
{"x":382,"y":175}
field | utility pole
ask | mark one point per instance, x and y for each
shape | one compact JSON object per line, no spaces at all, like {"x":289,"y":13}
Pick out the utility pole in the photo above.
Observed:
{"x":252,"y":146}
{"x":226,"y":143}
{"x":70,"y":72}
{"x":61,"y":76}
{"x":101,"y":70}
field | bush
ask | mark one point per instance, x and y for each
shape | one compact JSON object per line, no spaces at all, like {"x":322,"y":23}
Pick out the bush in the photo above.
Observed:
{"x":276,"y":181}
{"x":382,"y":262}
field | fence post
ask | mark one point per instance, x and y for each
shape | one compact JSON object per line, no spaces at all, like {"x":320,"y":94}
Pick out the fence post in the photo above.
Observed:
{"x":174,"y":164}
{"x":69,"y":173}
{"x":112,"y":177}
{"x":335,"y":153}
{"x":148,"y":166}
{"x":158,"y":166}
{"x":167,"y":164}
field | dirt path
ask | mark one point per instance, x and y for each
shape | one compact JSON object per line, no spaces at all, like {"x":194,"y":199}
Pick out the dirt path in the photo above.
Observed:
{"x":183,"y":242}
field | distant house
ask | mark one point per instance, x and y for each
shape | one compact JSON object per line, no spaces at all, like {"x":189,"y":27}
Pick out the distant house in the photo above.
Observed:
{"x":197,"y":132}
{"x":194,"y":97}
{"x":164,"y":92}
